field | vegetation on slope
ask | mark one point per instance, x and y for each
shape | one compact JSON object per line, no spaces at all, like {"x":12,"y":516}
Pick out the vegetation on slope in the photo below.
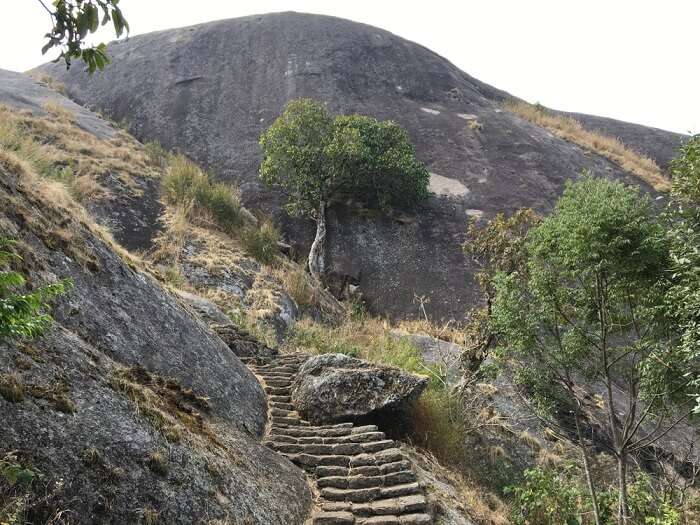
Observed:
{"x":316,"y":158}
{"x":612,"y":148}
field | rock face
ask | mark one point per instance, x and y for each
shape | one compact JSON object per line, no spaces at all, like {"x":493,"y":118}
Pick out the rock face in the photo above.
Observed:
{"x":333,"y":387}
{"x":129,"y":407}
{"x":132,"y":210}
{"x":211,"y":89}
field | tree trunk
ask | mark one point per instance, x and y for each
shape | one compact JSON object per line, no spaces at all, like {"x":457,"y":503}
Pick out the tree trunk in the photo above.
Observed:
{"x":623,"y":516}
{"x":587,"y":468}
{"x":316,"y":254}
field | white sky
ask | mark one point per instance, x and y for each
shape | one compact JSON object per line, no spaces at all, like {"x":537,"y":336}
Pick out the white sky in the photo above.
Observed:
{"x":635,"y":60}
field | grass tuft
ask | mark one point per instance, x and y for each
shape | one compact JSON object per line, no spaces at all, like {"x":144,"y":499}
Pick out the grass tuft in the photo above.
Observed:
{"x":612,"y":148}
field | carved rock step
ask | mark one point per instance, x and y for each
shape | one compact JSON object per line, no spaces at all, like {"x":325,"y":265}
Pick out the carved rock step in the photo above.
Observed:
{"x":318,"y":440}
{"x":380,"y":507}
{"x":276,"y":390}
{"x":334,"y":518}
{"x":362,"y":481}
{"x":370,"y":470}
{"x":406,"y":519}
{"x":359,"y":495}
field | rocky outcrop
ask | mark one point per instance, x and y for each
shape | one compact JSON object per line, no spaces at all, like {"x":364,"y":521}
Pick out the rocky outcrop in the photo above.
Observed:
{"x":361,"y":477}
{"x":129,"y":408}
{"x":334,"y":387}
{"x":444,"y":355}
{"x":211,"y":89}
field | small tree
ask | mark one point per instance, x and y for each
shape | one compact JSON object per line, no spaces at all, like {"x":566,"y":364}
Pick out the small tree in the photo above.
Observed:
{"x":72,"y":20}
{"x":316,"y":158}
{"x":22,"y":315}
{"x":683,"y":299}
{"x":587,"y":307}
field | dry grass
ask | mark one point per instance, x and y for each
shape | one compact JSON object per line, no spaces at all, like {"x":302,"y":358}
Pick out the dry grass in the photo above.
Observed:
{"x":55,"y":147}
{"x":56,"y":109}
{"x":157,"y":461}
{"x":468,"y":496}
{"x":50,"y":82}
{"x":11,"y":388}
{"x":177,"y":413}
{"x":612,"y":148}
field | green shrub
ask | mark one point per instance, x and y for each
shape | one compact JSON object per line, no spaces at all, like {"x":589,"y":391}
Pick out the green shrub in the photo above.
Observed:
{"x":187,"y":186}
{"x":261,"y":241}
{"x":23,"y":315}
{"x":547,"y":497}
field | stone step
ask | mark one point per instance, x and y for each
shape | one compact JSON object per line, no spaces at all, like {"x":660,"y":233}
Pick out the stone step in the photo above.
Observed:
{"x":376,"y":446}
{"x":276,"y":391}
{"x":351,"y":438}
{"x":405,"y":489}
{"x":352,"y":495}
{"x":338,"y":449}
{"x":364,"y":428}
{"x":405,"y":519}
{"x":382,"y":457}
{"x":278,"y":383}
{"x":293,"y":421}
{"x":279,"y":399}
{"x":311,"y":431}
{"x":282,"y":406}
{"x":277,"y":376}
{"x":391,"y":506}
{"x":333,"y":518}
{"x":363,"y":481}
{"x":283,"y":412}
{"x":310,"y":460}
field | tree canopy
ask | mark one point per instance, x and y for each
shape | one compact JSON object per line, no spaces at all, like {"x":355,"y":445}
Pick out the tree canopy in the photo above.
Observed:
{"x":316,"y":158}
{"x":588,"y":305}
{"x":73,"y":20}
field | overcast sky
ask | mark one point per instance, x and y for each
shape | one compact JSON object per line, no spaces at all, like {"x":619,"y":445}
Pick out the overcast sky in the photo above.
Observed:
{"x":635,"y":60}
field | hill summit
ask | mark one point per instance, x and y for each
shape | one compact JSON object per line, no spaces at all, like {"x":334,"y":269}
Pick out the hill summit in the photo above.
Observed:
{"x":209,"y":91}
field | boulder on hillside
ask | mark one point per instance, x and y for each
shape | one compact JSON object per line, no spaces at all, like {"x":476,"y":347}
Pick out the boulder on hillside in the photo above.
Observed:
{"x":333,"y":387}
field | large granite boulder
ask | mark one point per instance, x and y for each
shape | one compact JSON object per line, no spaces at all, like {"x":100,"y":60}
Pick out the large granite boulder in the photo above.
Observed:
{"x":210,"y":90}
{"x":334,"y":387}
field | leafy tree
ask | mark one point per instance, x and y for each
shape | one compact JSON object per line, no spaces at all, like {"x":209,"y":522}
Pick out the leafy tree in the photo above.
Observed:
{"x":586,"y":307}
{"x":72,"y":20}
{"x":683,"y":299}
{"x":497,"y":246}
{"x":316,"y":158}
{"x":23,"y":315}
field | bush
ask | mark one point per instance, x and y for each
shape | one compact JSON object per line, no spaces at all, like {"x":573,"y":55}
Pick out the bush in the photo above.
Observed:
{"x":261,"y":242}
{"x":187,"y":186}
{"x":23,"y":315}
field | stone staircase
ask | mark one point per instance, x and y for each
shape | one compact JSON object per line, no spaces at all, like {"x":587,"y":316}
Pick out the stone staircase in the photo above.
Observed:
{"x":360,"y":477}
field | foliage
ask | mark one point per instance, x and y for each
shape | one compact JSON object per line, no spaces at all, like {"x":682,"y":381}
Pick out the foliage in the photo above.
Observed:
{"x":72,"y":20}
{"x":497,"y":246}
{"x":554,"y":497}
{"x":16,"y":482}
{"x":587,"y":306}
{"x":262,"y":241}
{"x":185,"y":185}
{"x":23,"y":314}
{"x":547,"y":497}
{"x":315,"y":157}
{"x":683,"y":298}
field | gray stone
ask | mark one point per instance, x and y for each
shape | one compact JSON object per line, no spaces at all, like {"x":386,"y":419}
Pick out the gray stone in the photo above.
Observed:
{"x":179,"y":94}
{"x":332,"y":387}
{"x":142,"y":375}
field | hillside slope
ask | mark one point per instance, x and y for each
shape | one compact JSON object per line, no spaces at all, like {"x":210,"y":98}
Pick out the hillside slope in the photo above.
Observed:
{"x":211,"y":89}
{"x":129,"y":410}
